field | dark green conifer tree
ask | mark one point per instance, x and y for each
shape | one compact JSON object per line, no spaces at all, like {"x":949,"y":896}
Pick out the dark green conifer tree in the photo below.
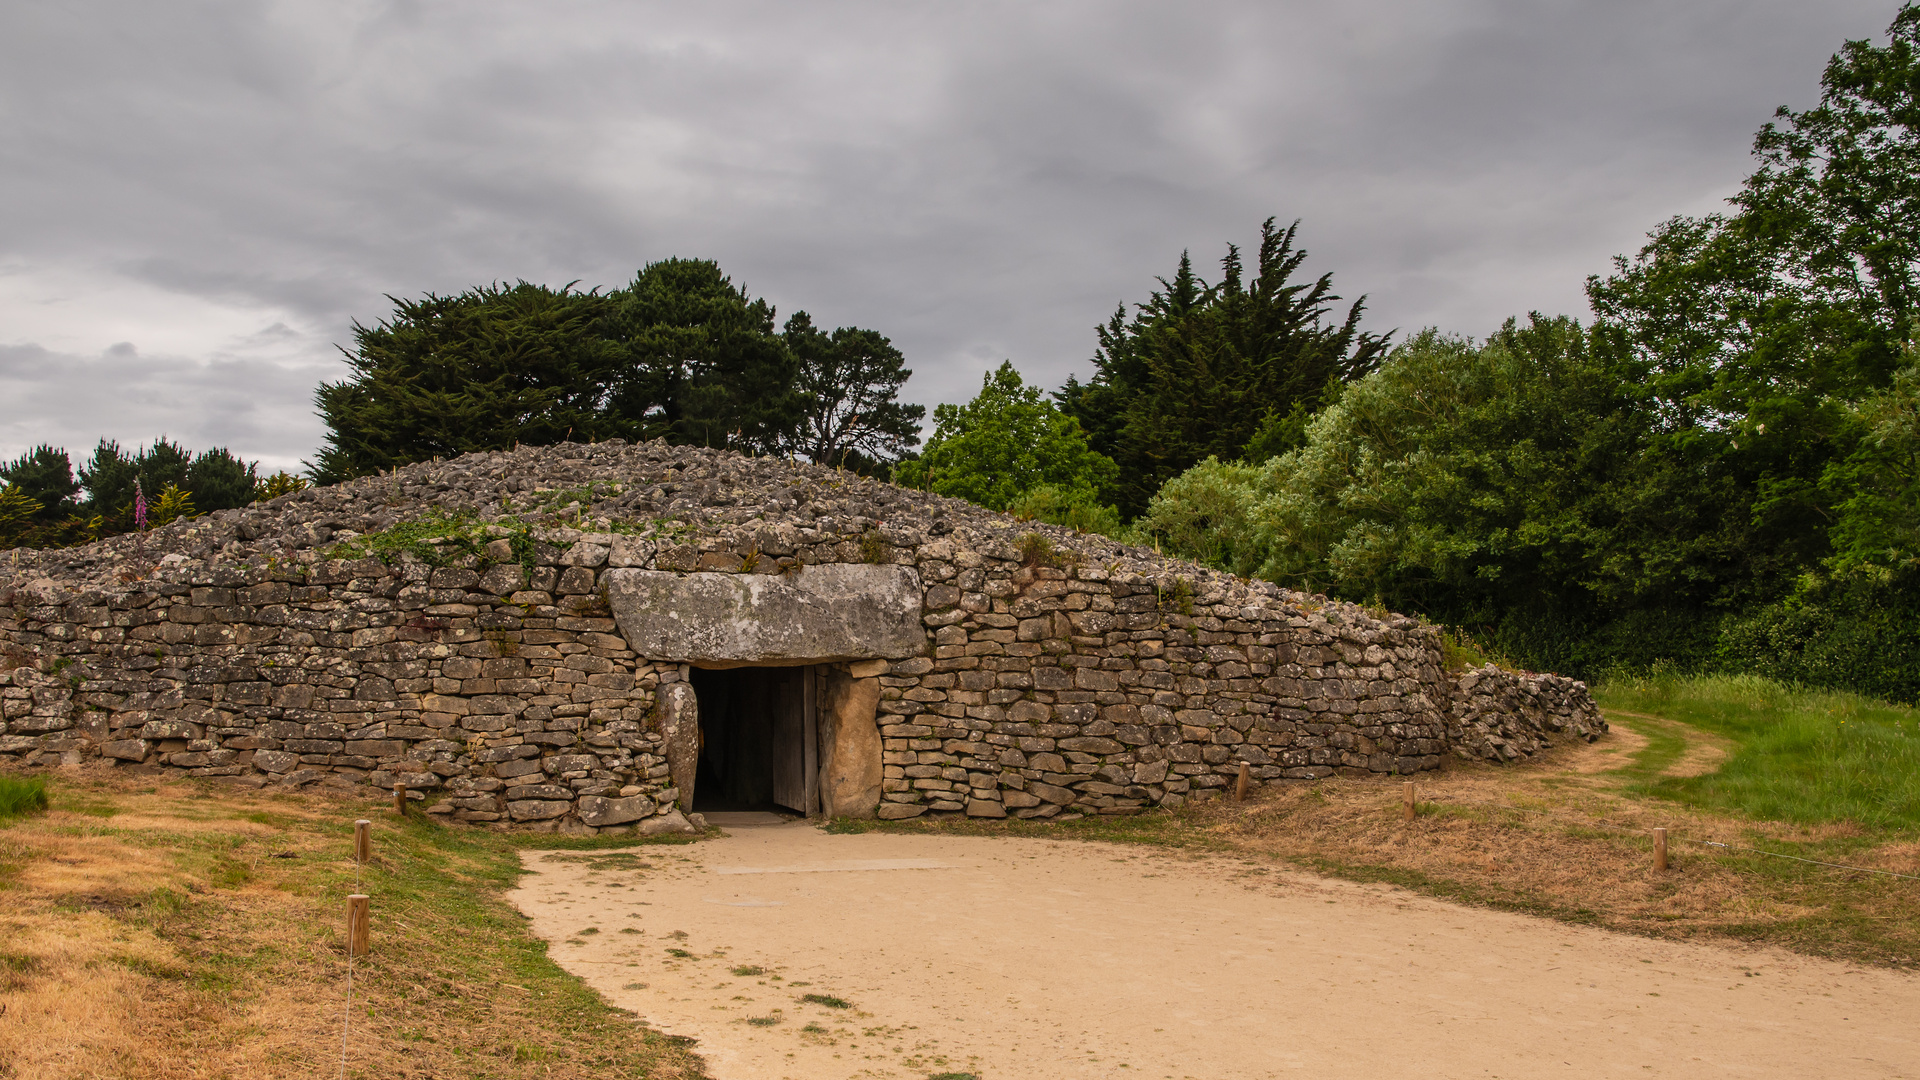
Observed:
{"x":1204,"y":370}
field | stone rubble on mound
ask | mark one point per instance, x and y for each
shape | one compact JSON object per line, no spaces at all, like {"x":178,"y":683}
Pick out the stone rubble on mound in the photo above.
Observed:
{"x":1056,"y":673}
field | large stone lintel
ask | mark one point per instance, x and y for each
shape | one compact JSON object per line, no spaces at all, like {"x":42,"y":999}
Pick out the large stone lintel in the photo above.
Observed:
{"x":818,"y":614}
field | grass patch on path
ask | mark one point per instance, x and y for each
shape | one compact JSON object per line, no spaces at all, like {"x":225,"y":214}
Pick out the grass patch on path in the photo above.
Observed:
{"x":198,"y":930}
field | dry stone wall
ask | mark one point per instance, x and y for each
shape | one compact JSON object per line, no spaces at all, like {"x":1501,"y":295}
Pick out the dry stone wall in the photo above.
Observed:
{"x":477,"y":660}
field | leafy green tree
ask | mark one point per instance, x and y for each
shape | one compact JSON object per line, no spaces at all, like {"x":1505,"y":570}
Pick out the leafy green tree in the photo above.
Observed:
{"x":1426,"y":482}
{"x":1838,"y":190}
{"x":44,"y":475}
{"x":1213,"y":513}
{"x":1204,"y":370}
{"x":850,"y":381}
{"x":1004,"y":443}
{"x":1768,"y":332}
{"x":1500,"y":484}
{"x":1877,"y":489}
{"x":1079,"y":509}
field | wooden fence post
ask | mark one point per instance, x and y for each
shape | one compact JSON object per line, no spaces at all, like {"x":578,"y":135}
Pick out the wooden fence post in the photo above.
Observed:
{"x":359,"y":932}
{"x":1240,"y":785}
{"x":363,"y":841}
{"x":1659,"y":849}
{"x":1406,"y":800}
{"x":399,"y":798}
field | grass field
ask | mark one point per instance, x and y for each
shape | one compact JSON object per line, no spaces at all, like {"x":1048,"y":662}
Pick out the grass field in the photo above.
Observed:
{"x":1809,"y":756}
{"x":183,"y":930}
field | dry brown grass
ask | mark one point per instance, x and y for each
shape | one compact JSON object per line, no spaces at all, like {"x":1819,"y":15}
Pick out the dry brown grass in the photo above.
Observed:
{"x":162,"y":930}
{"x":1563,"y":836}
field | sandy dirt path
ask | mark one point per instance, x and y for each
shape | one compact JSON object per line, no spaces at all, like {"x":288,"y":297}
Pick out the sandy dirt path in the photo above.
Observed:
{"x":1011,"y":958}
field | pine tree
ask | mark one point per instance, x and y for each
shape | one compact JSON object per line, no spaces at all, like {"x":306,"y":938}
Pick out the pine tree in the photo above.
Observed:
{"x":44,"y":475}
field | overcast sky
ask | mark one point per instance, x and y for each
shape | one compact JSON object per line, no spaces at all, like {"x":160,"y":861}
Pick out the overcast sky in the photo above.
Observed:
{"x":197,"y":199}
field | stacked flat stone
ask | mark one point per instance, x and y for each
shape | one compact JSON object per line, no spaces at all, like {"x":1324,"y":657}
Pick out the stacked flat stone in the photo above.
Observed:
{"x":1500,"y":715}
{"x":1063,"y":673}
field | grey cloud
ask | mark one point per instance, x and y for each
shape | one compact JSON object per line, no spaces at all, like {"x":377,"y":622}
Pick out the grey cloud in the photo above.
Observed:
{"x":73,"y":401}
{"x":977,"y":181}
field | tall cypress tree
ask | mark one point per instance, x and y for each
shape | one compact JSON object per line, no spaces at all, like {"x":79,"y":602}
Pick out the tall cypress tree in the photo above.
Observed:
{"x":1200,"y":370}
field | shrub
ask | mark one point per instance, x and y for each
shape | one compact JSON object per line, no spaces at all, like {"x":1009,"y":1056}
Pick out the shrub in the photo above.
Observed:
{"x":1857,"y":631}
{"x":280,"y":483}
{"x":1077,"y":509}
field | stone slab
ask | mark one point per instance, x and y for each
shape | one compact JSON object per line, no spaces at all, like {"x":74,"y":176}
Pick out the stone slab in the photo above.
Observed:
{"x":850,"y":772}
{"x":818,"y":614}
{"x":599,"y":810}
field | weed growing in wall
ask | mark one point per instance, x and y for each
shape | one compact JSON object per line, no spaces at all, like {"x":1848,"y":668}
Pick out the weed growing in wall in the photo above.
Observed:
{"x":1037,"y":550}
{"x":597,"y":605}
{"x":1178,"y":598}
{"x":438,"y":538}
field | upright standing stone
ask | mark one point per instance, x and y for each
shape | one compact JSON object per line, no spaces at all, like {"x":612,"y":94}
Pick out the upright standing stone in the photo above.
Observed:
{"x":850,"y":775}
{"x":680,"y":724}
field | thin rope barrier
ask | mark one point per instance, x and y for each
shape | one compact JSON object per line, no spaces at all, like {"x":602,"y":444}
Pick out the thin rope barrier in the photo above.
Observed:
{"x":1796,"y":858}
{"x":1590,"y":823}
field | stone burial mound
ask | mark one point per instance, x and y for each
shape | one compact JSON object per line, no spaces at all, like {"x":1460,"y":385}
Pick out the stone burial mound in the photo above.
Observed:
{"x":611,"y":636}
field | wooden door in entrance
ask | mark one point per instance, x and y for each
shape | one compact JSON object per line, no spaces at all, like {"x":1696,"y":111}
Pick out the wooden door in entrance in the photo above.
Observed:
{"x":759,"y":734}
{"x":791,"y":699}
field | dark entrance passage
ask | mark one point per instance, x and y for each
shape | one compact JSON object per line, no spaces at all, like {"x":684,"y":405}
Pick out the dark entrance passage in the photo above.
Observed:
{"x":757,"y":736}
